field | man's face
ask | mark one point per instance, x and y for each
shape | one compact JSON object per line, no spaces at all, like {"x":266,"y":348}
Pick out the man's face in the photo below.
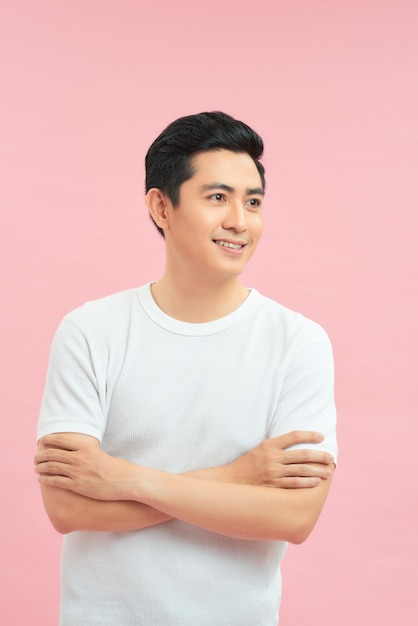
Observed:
{"x":218,"y":221}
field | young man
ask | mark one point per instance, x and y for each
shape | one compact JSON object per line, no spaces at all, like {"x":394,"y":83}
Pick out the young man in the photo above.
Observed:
{"x":179,"y":446}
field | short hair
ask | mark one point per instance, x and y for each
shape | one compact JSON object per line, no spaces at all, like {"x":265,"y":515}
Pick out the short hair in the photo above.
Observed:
{"x":169,"y":160}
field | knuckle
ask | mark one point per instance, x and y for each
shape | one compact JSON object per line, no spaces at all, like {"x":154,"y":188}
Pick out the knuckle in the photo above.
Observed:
{"x":297,"y":436}
{"x":285,"y":458}
{"x":271,"y":472}
{"x":50,"y":440}
{"x":265,"y":445}
{"x":306,"y":456}
{"x":307,"y":471}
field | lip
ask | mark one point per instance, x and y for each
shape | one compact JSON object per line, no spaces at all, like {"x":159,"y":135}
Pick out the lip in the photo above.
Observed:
{"x":238,"y":242}
{"x":227,"y":250}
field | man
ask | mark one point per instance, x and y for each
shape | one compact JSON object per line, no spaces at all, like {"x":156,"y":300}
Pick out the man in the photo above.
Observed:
{"x":179,"y":446}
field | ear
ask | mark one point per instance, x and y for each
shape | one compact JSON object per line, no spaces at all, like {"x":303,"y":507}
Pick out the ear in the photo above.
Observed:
{"x":157,"y":203}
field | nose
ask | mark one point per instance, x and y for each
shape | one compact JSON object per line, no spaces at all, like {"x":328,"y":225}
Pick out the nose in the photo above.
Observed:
{"x":235,"y":218}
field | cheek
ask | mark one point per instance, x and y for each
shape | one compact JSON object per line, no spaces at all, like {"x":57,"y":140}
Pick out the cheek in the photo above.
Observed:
{"x":258,"y":227}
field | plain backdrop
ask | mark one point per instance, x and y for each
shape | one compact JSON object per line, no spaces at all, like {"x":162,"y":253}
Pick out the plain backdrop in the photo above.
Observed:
{"x":332,"y":87}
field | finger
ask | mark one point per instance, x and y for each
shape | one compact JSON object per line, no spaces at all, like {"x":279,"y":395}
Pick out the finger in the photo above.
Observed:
{"x":312,"y":470}
{"x":297,"y":437}
{"x":62,"y":482}
{"x":306,"y":455}
{"x":297,"y":482}
{"x":54,"y":454}
{"x":54,"y":469}
{"x":58,"y":440}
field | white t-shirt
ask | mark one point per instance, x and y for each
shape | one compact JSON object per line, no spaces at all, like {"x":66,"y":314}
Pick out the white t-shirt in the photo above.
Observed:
{"x":177,"y":396}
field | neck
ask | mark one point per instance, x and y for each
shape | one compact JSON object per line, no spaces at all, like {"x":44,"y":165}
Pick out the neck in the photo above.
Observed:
{"x":198,"y":301}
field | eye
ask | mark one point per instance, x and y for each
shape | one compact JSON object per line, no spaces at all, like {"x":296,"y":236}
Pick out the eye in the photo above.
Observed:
{"x":254,"y":203}
{"x":218,"y":197}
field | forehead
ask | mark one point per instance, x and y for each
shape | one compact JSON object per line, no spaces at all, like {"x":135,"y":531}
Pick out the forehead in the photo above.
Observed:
{"x":236,"y":169}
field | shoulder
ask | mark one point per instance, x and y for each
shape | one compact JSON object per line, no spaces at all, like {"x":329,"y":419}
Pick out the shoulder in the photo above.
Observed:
{"x":111,"y":304}
{"x":294,"y":327}
{"x":99,"y":323}
{"x":104,"y":312}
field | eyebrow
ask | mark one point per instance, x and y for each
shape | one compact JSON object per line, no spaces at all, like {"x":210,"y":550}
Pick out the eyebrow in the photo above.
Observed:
{"x":249,"y":192}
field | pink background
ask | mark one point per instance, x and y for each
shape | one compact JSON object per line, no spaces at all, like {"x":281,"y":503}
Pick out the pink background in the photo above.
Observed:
{"x":333,"y":89}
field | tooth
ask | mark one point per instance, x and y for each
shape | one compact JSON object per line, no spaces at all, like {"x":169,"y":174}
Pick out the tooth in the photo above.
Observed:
{"x":227,"y":244}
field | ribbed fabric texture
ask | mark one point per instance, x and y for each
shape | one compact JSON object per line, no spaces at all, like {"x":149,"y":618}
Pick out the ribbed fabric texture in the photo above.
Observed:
{"x":177,"y":396}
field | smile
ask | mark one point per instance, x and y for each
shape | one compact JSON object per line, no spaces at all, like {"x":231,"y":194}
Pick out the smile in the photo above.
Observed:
{"x":228,"y":244}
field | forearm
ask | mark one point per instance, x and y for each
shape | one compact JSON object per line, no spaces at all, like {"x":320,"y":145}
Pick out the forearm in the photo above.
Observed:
{"x":249,"y":497}
{"x":69,"y":511}
{"x":235,"y":510}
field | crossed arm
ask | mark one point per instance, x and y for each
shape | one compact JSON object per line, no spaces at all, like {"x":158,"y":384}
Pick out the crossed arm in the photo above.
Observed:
{"x":270,"y":492}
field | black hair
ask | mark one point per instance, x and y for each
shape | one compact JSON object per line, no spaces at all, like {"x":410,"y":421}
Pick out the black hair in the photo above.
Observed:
{"x":169,"y":160}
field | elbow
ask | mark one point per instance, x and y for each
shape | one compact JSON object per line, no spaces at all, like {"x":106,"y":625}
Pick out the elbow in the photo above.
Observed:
{"x":296,"y":531}
{"x":300,"y":530}
{"x":299,"y":535}
{"x":63,"y":529}
{"x":60,"y":510}
{"x":304,"y":516}
{"x":60,"y":523}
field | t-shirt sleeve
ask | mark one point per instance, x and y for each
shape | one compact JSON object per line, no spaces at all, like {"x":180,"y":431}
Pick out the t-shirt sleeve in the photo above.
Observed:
{"x":72,"y":400}
{"x":306,"y":401}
